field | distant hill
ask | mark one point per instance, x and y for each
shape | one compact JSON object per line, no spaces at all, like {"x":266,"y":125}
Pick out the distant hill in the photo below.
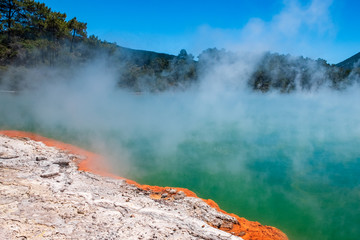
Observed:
{"x":142,"y":57}
{"x":32,"y":34}
{"x":350,"y":62}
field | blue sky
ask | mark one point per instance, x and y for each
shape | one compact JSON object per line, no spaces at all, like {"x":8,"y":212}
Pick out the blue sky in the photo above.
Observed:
{"x":326,"y":29}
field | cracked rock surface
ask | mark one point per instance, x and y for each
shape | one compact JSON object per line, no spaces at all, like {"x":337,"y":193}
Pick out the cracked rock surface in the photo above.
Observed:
{"x":44,"y":196}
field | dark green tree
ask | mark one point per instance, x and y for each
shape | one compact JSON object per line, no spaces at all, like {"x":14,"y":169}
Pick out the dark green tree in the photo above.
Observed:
{"x":36,"y":15}
{"x":10,"y":15}
{"x":78,"y":30}
{"x":56,"y":27}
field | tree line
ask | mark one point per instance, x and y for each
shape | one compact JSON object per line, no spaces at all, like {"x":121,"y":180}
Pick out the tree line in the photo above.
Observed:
{"x":33,"y":35}
{"x":28,"y":19}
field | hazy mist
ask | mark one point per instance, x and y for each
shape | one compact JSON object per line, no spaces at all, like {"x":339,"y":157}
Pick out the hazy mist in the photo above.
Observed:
{"x":280,"y":144}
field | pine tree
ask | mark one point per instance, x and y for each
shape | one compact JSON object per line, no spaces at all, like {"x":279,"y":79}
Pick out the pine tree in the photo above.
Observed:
{"x":36,"y":15}
{"x":10,"y":15}
{"x":78,"y":30}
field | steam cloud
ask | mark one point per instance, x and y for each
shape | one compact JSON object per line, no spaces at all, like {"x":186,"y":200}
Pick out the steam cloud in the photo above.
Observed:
{"x":271,"y":146}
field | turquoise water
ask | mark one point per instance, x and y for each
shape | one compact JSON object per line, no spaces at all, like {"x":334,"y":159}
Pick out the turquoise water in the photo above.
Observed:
{"x":259,"y":179}
{"x":292,"y":162}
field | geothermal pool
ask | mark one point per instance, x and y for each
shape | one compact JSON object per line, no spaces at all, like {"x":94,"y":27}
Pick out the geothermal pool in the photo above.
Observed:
{"x":289,"y":161}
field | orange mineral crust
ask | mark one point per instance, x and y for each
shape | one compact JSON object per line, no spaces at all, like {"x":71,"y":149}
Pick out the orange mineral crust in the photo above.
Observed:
{"x":91,"y":162}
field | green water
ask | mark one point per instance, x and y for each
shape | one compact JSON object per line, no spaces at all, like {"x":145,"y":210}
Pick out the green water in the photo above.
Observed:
{"x":319,"y":201}
{"x":294,"y":166}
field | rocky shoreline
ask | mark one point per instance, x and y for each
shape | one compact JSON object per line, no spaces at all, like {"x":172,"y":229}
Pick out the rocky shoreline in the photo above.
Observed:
{"x":43,"y":195}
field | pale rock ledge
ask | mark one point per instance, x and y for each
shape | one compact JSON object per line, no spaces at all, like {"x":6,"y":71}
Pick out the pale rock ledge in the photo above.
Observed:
{"x":44,"y":196}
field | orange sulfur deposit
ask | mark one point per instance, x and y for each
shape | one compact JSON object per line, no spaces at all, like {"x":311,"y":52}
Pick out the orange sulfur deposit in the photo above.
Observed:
{"x":96,"y":164}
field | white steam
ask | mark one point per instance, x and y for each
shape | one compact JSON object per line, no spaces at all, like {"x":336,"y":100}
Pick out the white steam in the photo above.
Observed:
{"x":299,"y":29}
{"x":216,"y":129}
{"x":88,"y":101}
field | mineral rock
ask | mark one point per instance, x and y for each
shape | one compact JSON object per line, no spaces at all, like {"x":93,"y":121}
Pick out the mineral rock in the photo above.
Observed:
{"x":43,"y":200}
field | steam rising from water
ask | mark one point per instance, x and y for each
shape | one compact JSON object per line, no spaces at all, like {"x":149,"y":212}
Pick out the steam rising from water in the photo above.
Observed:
{"x":288,"y":160}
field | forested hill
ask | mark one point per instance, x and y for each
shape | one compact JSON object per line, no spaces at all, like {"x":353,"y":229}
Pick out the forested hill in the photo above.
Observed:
{"x":33,"y":36}
{"x":350,"y":63}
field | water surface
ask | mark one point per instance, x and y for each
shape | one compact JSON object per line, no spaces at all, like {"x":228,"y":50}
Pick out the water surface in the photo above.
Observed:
{"x":289,"y":161}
